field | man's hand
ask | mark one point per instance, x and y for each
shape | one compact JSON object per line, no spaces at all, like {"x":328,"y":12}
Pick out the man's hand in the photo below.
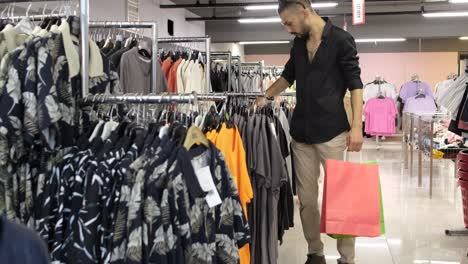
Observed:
{"x":355,"y":139}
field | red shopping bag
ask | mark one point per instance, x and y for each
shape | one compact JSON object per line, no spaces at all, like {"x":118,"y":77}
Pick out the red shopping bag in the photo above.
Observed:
{"x":351,"y":199}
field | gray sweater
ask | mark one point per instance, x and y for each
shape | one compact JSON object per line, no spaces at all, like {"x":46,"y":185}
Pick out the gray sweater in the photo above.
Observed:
{"x":135,"y":74}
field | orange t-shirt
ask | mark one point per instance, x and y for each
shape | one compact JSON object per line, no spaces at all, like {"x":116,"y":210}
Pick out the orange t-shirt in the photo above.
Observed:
{"x":172,"y":78}
{"x":166,"y":66}
{"x":229,"y":142}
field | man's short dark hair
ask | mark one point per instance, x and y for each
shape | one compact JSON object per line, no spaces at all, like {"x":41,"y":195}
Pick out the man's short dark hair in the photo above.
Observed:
{"x":284,"y":4}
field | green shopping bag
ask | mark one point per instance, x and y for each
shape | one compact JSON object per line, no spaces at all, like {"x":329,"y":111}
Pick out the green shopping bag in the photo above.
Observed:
{"x":382,"y":218}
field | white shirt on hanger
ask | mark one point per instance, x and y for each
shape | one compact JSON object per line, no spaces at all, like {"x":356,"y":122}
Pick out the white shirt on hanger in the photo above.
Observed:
{"x":371,"y":90}
{"x":441,"y":87}
{"x":196,"y":78}
{"x":180,"y":82}
{"x":186,"y":75}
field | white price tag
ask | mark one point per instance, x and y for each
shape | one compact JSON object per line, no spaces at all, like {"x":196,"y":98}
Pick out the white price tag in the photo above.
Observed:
{"x":359,"y":12}
{"x":207,"y":184}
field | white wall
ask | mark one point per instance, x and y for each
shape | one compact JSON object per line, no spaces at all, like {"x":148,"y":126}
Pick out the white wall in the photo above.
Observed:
{"x":107,"y":10}
{"x":149,"y":10}
{"x":235,"y":48}
{"x":114,"y":10}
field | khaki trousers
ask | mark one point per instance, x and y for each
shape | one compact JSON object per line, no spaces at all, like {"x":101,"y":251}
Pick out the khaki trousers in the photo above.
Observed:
{"x":307,"y":160}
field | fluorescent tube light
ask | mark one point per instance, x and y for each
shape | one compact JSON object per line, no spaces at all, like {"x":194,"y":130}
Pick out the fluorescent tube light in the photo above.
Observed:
{"x":424,"y":261}
{"x":446,"y":14}
{"x":274,"y":7}
{"x":463,"y":38}
{"x":261,"y":7}
{"x":260,"y":20}
{"x":324,"y":5}
{"x":380,"y":40}
{"x":458,"y":1}
{"x":263,"y":42}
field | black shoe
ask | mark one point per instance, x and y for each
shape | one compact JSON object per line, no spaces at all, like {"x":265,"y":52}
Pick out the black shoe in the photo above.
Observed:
{"x":315,"y":259}
{"x":342,"y":262}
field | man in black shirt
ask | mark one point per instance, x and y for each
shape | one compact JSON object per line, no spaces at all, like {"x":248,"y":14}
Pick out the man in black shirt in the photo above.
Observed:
{"x":324,"y":64}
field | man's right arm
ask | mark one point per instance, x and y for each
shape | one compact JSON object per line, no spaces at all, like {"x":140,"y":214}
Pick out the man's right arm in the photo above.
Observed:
{"x":277,"y":87}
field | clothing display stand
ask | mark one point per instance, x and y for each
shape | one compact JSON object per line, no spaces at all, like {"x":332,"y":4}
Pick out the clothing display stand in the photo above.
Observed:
{"x":225,"y":56}
{"x":206,"y":40}
{"x":418,"y":131}
{"x":407,"y":142}
{"x":154,"y":43}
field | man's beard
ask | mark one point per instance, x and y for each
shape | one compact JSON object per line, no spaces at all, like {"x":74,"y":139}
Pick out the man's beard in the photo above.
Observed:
{"x":299,"y":35}
{"x":304,"y":34}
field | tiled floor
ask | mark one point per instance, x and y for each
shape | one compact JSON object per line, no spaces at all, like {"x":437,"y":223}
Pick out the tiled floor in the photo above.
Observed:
{"x":415,"y":223}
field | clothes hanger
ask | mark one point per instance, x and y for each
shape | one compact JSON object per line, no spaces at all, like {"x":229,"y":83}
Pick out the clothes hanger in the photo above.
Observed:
{"x":420,"y":95}
{"x":194,"y":137}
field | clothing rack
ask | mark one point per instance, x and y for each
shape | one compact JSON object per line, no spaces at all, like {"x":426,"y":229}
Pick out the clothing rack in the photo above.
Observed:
{"x":37,"y":17}
{"x":151,"y":99}
{"x":154,"y":45}
{"x":206,"y":40}
{"x":252,"y":94}
{"x":192,"y":98}
{"x":227,"y":56}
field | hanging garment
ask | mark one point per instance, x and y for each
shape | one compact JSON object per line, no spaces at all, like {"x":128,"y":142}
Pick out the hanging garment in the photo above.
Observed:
{"x":380,"y":117}
{"x":413,"y":88}
{"x":229,"y":142}
{"x":452,"y":97}
{"x":441,"y":88}
{"x":166,"y":66}
{"x":373,"y":90}
{"x":234,"y":81}
{"x":268,"y":173}
{"x":454,"y":123}
{"x":219,"y":78}
{"x":463,"y":118}
{"x":172,"y":79}
{"x":115,"y":198}
{"x":135,"y":74}
{"x":195,"y":81}
{"x":420,"y":105}
{"x":180,"y":81}
{"x":185,"y":75}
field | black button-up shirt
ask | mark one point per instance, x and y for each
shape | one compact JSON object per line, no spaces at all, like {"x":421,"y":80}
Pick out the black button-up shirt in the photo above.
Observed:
{"x":320,"y":115}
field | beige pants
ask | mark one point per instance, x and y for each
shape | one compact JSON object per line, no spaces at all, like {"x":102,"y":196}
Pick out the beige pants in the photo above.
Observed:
{"x":307,"y":160}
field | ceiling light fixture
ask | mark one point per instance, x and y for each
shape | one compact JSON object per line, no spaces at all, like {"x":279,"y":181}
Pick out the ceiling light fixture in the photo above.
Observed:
{"x":264,"y":42}
{"x":463,"y":38}
{"x":446,"y":14}
{"x":424,"y":261}
{"x":274,"y":7}
{"x":261,"y":7}
{"x":380,"y":40}
{"x":260,"y":20}
{"x":458,"y":1}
